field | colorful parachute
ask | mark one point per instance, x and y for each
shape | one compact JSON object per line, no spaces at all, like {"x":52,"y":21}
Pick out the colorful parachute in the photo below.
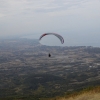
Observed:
{"x":57,"y":35}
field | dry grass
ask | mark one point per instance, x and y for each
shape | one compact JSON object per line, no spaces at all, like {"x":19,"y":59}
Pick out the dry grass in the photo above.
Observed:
{"x":85,"y":96}
{"x":88,"y":94}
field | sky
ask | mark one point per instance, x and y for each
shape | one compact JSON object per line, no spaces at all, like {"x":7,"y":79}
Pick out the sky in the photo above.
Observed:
{"x":78,"y":21}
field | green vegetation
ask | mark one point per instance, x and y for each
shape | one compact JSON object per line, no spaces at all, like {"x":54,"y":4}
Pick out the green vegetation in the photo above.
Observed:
{"x":26,"y":72}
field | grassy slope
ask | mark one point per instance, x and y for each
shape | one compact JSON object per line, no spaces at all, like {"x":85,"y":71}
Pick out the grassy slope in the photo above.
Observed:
{"x":87,"y":94}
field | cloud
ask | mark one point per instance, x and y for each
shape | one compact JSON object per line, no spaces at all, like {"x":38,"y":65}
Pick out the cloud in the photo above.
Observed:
{"x":12,"y":7}
{"x":38,"y":16}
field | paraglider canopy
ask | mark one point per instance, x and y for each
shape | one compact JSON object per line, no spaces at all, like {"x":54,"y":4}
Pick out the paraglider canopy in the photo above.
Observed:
{"x":57,"y":35}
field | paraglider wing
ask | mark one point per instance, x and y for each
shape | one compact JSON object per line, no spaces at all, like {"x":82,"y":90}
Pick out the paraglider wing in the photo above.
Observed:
{"x":57,"y":35}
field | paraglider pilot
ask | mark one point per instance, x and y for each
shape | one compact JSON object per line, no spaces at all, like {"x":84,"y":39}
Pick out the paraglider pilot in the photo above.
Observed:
{"x":49,"y":55}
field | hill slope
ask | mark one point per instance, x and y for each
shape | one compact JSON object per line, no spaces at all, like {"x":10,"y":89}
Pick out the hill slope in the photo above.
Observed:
{"x":85,"y":96}
{"x":88,"y":94}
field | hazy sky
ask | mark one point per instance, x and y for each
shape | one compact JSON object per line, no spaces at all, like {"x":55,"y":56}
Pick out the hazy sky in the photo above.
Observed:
{"x":73,"y":19}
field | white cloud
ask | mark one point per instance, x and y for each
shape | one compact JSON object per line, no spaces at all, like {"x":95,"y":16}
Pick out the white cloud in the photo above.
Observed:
{"x":14,"y":7}
{"x":38,"y":16}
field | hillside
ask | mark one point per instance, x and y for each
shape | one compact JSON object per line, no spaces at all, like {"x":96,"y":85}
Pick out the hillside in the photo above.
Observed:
{"x":87,"y":94}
